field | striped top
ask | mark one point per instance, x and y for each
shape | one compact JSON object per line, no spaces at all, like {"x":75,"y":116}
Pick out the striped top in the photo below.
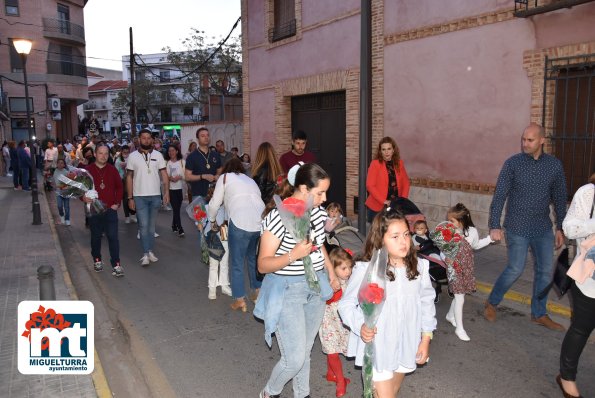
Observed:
{"x":272,"y":222}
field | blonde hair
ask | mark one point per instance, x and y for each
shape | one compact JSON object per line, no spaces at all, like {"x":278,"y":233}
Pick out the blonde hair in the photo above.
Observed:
{"x":266,"y":157}
{"x":334,"y":206}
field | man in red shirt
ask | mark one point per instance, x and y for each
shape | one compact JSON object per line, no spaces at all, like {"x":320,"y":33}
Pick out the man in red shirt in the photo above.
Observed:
{"x":298,"y":152}
{"x":108,"y":185}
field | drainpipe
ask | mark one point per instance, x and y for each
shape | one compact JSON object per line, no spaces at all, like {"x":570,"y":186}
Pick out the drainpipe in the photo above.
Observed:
{"x":365,"y":109}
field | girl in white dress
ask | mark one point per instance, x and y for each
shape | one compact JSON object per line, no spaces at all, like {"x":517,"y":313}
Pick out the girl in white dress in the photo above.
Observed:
{"x":405,"y":327}
{"x":333,"y":334}
{"x":460,"y":217}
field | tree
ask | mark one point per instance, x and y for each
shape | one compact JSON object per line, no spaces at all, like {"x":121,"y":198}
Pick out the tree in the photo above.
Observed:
{"x":151,"y":97}
{"x":207,"y":68}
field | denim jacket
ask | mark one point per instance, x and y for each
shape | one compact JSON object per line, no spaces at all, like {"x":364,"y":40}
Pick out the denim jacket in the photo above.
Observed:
{"x":270,"y":299}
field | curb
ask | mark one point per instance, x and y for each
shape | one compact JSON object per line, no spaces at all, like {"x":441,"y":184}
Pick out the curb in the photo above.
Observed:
{"x":99,"y":380}
{"x":512,"y":295}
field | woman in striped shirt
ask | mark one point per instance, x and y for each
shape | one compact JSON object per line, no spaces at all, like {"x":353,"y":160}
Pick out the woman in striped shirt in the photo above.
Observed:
{"x":289,"y":308}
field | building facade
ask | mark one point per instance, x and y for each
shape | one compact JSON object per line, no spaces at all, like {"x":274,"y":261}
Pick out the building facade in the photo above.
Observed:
{"x":56,"y":67}
{"x":454,"y":84}
{"x":165,"y":95}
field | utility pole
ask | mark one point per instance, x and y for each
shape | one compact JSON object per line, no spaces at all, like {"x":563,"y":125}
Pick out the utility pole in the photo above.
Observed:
{"x":365,"y":109}
{"x":133,"y":101}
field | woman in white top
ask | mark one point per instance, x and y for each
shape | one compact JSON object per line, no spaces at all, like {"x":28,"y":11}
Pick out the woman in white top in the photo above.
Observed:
{"x":175,"y":170}
{"x":243,"y":204}
{"x":579,"y":224}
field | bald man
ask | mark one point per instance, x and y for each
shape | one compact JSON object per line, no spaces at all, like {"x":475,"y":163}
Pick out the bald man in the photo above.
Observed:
{"x":528,"y":182}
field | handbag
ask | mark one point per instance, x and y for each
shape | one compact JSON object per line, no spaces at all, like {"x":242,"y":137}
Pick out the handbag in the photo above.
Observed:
{"x":561,"y":279}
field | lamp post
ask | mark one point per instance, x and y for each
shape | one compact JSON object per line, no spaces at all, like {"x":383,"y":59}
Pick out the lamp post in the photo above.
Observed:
{"x":23,"y":47}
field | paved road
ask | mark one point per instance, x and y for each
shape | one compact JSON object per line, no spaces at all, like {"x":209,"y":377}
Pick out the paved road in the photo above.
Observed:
{"x":186,"y":345}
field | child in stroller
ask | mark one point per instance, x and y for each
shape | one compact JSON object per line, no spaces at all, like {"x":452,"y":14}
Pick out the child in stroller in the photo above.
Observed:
{"x":340,"y":232}
{"x":424,"y":245}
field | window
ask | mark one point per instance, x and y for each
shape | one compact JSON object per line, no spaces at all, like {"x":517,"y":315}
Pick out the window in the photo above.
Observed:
{"x":19,"y":128}
{"x":12,"y":7}
{"x":142,"y":115}
{"x":284,"y":20}
{"x":64,"y":19}
{"x":188,"y":111}
{"x":17,"y":104}
{"x":166,"y":114}
{"x":16,"y":65}
{"x":164,"y":76}
{"x":139,"y":75}
{"x":570,"y":83}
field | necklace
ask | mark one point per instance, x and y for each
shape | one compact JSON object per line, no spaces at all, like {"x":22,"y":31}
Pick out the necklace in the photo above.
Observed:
{"x":147,"y":161}
{"x":101,"y":172}
{"x":206,"y":158}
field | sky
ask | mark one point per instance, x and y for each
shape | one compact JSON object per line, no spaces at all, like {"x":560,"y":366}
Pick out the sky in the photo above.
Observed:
{"x":155,"y":24}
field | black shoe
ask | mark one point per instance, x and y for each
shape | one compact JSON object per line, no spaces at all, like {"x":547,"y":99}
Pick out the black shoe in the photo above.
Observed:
{"x":174,"y":229}
{"x":437,"y":298}
{"x":181,"y":232}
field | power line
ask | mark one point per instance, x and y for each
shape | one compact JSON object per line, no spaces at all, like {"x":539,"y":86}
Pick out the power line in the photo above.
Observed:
{"x":199,"y":67}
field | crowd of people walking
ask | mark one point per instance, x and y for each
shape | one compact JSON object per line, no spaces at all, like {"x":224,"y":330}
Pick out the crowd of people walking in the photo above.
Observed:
{"x":303,"y":287}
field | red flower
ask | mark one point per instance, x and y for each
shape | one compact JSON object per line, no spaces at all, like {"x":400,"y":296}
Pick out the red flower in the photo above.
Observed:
{"x":280,"y":179}
{"x":295,"y":206}
{"x":371,"y":294}
{"x":447,"y":235}
{"x":199,"y":213}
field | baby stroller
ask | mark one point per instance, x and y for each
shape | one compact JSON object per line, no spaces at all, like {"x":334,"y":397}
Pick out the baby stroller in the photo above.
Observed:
{"x":345,"y":236}
{"x":427,"y":250}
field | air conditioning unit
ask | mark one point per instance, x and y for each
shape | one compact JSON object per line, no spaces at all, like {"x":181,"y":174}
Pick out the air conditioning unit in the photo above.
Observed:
{"x":54,"y":104}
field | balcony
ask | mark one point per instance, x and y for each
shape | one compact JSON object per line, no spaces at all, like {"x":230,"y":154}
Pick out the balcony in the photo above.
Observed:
{"x":67,"y":68}
{"x":63,"y":30}
{"x":528,"y":8}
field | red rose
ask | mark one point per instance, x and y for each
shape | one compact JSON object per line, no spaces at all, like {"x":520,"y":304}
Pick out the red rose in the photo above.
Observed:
{"x":295,"y":206}
{"x":447,"y":234}
{"x":372,"y":294}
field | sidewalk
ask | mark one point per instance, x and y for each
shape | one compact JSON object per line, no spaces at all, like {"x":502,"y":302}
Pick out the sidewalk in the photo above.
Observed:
{"x":23,"y":248}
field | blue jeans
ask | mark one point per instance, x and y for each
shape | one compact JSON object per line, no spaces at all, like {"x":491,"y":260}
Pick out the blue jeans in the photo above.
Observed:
{"x":298,"y":326}
{"x":63,"y":207}
{"x":16,"y":175}
{"x":242,"y":250}
{"x":105,"y":223}
{"x":542,"y":248}
{"x":146,"y":214}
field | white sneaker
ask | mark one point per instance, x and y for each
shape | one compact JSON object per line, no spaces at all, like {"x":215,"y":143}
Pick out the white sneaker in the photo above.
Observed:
{"x":127,"y":220}
{"x":144,"y":261}
{"x":138,"y":235}
{"x":156,"y":235}
{"x":133,"y":219}
{"x":226,"y":290}
{"x":152,"y":257}
{"x":62,"y":220}
{"x":461,"y":334}
{"x":212,"y":293}
{"x":451,"y":319}
{"x":68,"y":223}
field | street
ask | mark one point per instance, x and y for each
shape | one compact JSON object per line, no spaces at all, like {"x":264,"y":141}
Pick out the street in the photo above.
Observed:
{"x":170,"y":340}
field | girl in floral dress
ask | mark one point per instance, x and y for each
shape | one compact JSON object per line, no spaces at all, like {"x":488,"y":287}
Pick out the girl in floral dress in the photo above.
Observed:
{"x":334,"y":336}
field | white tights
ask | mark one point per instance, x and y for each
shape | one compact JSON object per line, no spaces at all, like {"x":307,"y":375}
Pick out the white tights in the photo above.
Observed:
{"x":456,"y":309}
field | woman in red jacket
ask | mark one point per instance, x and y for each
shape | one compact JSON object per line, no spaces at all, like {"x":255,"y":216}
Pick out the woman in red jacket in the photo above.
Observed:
{"x":387,"y":178}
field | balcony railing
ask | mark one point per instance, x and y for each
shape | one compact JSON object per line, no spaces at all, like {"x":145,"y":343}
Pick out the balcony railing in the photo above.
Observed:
{"x":63,"y":29}
{"x":282,"y":31}
{"x":66,"y":68}
{"x":528,"y":8}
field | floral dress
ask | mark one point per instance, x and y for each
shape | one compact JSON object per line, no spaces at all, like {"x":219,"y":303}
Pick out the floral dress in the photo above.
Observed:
{"x":334,"y":336}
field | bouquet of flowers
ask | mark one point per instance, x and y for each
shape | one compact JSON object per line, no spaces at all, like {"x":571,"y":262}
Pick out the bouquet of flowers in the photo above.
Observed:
{"x":77,"y":183}
{"x":371,"y":300}
{"x":295,"y":216}
{"x":447,"y":239}
{"x":197,"y":211}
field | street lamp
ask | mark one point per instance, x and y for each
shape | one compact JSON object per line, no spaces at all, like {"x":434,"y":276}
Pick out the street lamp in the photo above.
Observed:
{"x":23,"y":47}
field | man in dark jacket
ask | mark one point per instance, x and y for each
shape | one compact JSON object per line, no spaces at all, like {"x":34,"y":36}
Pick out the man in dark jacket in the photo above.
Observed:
{"x":24,"y":164}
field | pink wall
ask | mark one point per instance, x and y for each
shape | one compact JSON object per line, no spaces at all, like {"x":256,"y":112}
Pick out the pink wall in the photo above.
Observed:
{"x":328,"y":48}
{"x":262,"y":119}
{"x":256,"y":29}
{"x":567,"y":26}
{"x":452,"y":122}
{"x":400,"y":15}
{"x":314,"y":11}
